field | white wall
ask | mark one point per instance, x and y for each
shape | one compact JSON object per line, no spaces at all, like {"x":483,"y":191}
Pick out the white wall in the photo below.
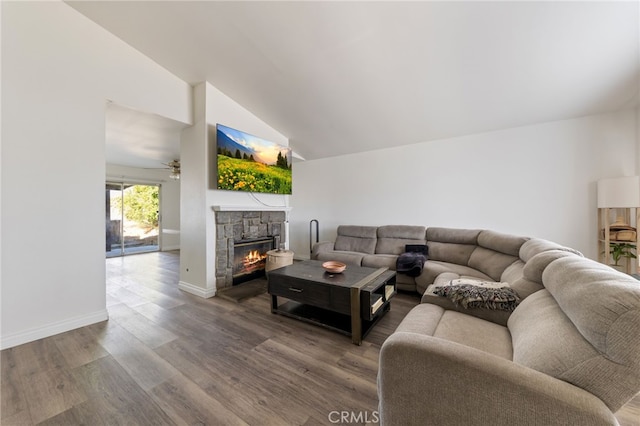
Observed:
{"x":199,"y":154}
{"x":169,"y":198}
{"x":58,"y":70}
{"x":532,"y":181}
{"x":193,"y":182}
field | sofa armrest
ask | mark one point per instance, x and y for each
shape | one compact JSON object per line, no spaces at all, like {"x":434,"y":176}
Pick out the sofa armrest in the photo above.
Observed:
{"x":427,"y":380}
{"x":322,"y":246}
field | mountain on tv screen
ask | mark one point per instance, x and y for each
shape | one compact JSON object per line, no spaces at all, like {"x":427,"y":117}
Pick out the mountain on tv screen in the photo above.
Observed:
{"x":251,"y":164}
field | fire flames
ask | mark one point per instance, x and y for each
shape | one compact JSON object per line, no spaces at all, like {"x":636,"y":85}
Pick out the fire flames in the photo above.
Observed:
{"x":253,"y":259}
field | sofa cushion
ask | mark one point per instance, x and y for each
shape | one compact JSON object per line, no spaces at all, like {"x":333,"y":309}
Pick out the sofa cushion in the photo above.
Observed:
{"x":453,"y":235}
{"x":536,"y":265}
{"x":537,"y":245}
{"x":432,"y":320}
{"x":392,"y":239}
{"x":458,"y":269}
{"x":380,"y":261}
{"x":525,"y":288}
{"x":475,"y":332}
{"x":348,"y":257}
{"x":503,"y":243}
{"x":356,"y":238}
{"x":513,"y":272}
{"x":514,"y":275}
{"x":450,"y":252}
{"x":492,"y":263}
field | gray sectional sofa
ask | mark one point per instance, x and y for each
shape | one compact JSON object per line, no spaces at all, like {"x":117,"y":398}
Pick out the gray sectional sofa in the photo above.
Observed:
{"x":453,"y":253}
{"x":568,"y":354}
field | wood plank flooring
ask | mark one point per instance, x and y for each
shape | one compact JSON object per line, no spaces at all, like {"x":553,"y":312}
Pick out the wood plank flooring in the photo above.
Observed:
{"x":166,"y":357}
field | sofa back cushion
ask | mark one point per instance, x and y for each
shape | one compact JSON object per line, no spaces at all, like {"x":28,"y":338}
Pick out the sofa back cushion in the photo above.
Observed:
{"x":537,"y":245}
{"x":535,"y":266}
{"x":495,"y":252}
{"x":356,"y":238}
{"x":502,"y":243}
{"x":450,"y":253}
{"x":452,"y":235}
{"x":392,"y":239}
{"x":513,"y":272}
{"x":583,"y":328}
{"x":525,"y":287}
{"x":451,"y":245}
{"x":526,"y":278}
{"x":491,"y":262}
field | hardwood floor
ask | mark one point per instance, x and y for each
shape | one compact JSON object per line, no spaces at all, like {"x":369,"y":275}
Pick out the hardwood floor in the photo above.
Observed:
{"x":166,"y":357}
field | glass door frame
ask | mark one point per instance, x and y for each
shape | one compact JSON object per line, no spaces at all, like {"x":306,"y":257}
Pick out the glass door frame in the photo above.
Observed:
{"x":123,"y":185}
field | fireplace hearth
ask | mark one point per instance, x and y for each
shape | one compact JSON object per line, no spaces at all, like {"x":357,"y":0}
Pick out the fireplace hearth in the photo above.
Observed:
{"x":250,"y":258}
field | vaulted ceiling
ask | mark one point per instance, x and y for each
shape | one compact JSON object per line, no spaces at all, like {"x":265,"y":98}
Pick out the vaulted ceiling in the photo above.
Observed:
{"x":345,"y":77}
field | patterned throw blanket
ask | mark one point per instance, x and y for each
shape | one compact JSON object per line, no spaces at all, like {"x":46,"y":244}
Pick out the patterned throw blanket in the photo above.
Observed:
{"x":478,"y":294}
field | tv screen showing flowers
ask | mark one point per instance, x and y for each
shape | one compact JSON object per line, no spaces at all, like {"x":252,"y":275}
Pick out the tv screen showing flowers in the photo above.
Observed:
{"x":252,"y":164}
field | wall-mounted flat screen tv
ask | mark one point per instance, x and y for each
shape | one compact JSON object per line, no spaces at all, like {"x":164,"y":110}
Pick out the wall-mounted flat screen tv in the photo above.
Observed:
{"x":252,"y":164}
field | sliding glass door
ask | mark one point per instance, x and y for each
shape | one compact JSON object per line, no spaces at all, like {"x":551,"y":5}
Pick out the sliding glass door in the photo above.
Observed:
{"x":132,"y":218}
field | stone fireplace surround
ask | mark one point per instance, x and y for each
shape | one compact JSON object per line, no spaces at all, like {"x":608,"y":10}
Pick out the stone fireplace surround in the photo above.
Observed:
{"x":240,"y":225}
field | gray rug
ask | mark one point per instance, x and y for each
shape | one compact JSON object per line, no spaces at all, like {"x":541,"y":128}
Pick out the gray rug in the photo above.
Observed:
{"x":244,"y":291}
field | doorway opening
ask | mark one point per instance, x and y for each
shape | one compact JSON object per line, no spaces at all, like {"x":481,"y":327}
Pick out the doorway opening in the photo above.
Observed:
{"x":132,"y":218}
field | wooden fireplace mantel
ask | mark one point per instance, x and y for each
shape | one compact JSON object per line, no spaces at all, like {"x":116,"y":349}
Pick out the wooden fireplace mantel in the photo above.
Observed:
{"x":250,"y":208}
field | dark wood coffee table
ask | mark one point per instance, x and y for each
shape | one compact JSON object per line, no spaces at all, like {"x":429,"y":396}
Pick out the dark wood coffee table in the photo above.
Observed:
{"x":350,"y":302}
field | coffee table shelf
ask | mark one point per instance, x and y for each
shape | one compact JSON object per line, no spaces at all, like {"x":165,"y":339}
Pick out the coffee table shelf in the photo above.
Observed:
{"x":318,"y":316}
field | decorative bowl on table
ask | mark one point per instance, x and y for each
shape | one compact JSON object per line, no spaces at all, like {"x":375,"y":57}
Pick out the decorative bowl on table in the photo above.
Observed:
{"x":334,"y":267}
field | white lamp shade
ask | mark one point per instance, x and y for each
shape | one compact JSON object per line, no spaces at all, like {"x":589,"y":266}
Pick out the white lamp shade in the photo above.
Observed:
{"x":619,"y":192}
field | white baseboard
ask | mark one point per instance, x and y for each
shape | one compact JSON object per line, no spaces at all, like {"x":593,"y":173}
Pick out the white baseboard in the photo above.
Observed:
{"x":49,"y":330}
{"x":205,"y":293}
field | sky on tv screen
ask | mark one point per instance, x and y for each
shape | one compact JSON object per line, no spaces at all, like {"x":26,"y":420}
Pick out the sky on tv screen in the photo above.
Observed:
{"x":262,"y":150}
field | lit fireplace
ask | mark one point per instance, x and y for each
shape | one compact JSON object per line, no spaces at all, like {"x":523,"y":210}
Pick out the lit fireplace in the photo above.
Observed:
{"x":250,"y":258}
{"x":238,"y":226}
{"x":254,"y":260}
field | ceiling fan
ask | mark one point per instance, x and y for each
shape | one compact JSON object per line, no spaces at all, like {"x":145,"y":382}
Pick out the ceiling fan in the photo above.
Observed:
{"x":174,"y":166}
